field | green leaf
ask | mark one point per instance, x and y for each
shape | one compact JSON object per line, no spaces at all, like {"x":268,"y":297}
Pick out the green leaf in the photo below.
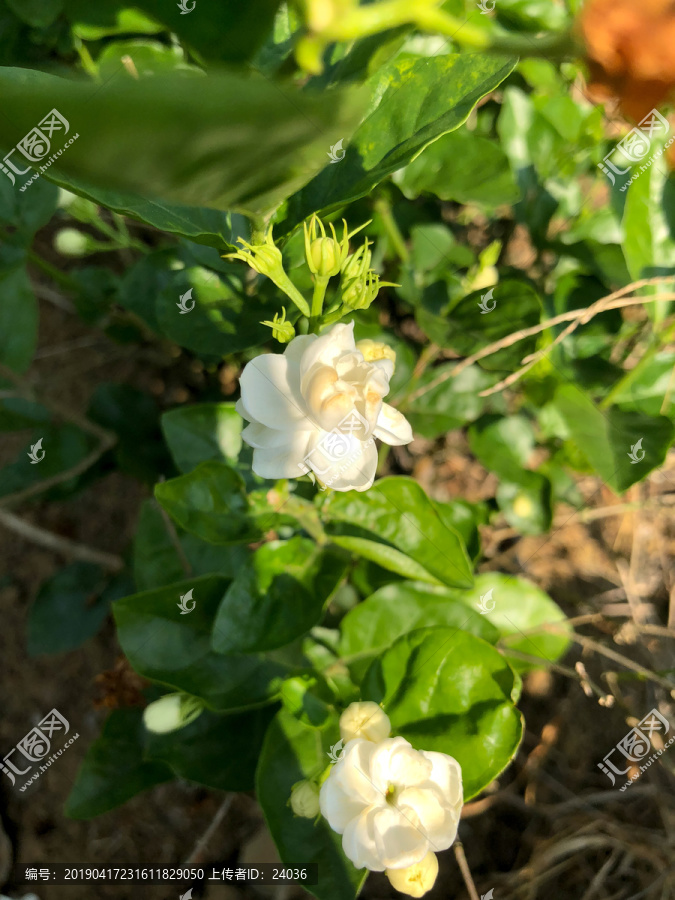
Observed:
{"x":648,"y":246}
{"x":526,"y":502}
{"x":392,"y":611}
{"x":464,"y":517}
{"x":114,"y":770}
{"x":608,"y":438}
{"x":292,"y":752}
{"x":449,"y":404}
{"x":503,"y":444}
{"x":202,"y":432}
{"x":134,"y":417}
{"x":218,"y":751}
{"x":384,"y":555}
{"x":224,"y":319}
{"x":17,"y":413}
{"x":70,"y":608}
{"x":515,"y":606}
{"x":174,"y":649}
{"x":211,"y":227}
{"x":231,"y":32}
{"x":464,"y":167}
{"x":449,"y":691}
{"x":27,"y":211}
{"x":246,"y":143}
{"x":650,"y":390}
{"x":277,"y":596}
{"x":398,"y":512}
{"x":465,"y":328}
{"x":415,"y":102}
{"x":211,"y":503}
{"x":64,"y":446}
{"x":156,"y":561}
{"x":38,"y":13}
{"x":18,"y":318}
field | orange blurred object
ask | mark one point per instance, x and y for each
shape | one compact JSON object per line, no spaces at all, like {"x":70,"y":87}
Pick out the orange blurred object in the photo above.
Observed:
{"x":630,"y":44}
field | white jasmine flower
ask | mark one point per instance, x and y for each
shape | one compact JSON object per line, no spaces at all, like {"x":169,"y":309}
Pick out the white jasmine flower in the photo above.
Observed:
{"x":392,"y":804}
{"x":365,"y":720}
{"x":415,"y":880}
{"x":318,"y":407}
{"x":305,"y":799}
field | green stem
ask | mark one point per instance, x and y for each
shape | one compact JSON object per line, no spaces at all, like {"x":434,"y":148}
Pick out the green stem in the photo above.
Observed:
{"x":320,"y":285}
{"x":55,"y":274}
{"x":384,"y":210}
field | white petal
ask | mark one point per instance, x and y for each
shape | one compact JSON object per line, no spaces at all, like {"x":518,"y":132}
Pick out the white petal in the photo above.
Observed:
{"x":398,"y":839}
{"x":267,"y":394}
{"x":257,"y":435}
{"x":348,"y":791}
{"x":392,"y":427}
{"x":343,"y":462}
{"x":286,"y":461}
{"x":446,"y":773}
{"x":358,"y":842}
{"x":426,"y":807}
{"x":328,"y":347}
{"x":243,"y":412}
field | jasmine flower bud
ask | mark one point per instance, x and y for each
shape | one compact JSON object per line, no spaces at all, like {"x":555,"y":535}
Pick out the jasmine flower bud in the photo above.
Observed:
{"x":171,"y":712}
{"x":305,"y":799}
{"x":282,"y":330}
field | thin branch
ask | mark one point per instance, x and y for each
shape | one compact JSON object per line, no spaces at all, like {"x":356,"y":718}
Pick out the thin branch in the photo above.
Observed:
{"x":465,"y":870}
{"x":612,"y":301}
{"x":173,"y":537}
{"x":200,"y":846}
{"x":51,"y":541}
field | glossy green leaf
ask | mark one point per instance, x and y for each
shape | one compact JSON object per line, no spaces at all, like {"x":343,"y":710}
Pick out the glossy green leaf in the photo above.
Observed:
{"x":202,"y":432}
{"x":17,"y":413}
{"x":114,"y":770}
{"x":415,"y":102}
{"x":446,"y":690}
{"x":38,"y":13}
{"x":466,"y":326}
{"x":503,"y":444}
{"x":650,"y":389}
{"x":517,"y":608}
{"x":26,"y":211}
{"x":649,"y":245}
{"x":382,"y":554}
{"x":292,"y":752}
{"x":157,"y":562}
{"x":224,"y":319}
{"x":277,"y":596}
{"x":174,"y":648}
{"x":392,"y":611}
{"x":398,"y":511}
{"x":464,"y":167}
{"x":465,"y":518}
{"x":622,"y":446}
{"x":247,"y":143}
{"x":211,"y":503}
{"x":219,"y":751}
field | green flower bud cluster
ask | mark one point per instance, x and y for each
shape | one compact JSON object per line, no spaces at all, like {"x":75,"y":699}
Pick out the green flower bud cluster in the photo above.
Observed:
{"x":359,"y":285}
